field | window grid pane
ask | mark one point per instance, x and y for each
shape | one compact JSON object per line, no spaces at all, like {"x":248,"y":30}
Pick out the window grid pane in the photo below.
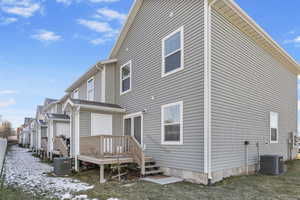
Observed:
{"x":172,"y":133}
{"x":173,"y":43}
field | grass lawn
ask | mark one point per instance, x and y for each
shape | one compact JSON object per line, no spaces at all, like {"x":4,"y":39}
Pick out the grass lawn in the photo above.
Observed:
{"x":284,"y":187}
{"x":11,"y":193}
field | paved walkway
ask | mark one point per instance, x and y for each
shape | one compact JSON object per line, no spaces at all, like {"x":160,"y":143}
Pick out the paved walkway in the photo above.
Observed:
{"x":28,"y":173}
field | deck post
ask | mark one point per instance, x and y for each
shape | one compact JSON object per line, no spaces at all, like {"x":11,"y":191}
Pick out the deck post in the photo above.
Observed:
{"x":102,"y":179}
{"x":76,"y":164}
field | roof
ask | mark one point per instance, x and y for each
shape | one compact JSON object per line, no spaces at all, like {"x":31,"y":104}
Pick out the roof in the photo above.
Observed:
{"x":49,"y":101}
{"x":94,"y":105}
{"x":57,"y":116}
{"x":90,"y":72}
{"x":42,"y":123}
{"x":230,"y":10}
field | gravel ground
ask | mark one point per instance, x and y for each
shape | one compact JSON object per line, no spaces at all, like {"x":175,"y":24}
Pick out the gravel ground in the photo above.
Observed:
{"x":27,"y":172}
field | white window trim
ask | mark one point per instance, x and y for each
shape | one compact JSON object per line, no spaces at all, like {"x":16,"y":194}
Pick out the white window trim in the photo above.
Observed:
{"x":132,"y":116}
{"x":130,"y":76}
{"x":163,"y":142}
{"x":76,"y":91}
{"x":271,"y":141}
{"x":163,"y":73}
{"x":87,"y":89}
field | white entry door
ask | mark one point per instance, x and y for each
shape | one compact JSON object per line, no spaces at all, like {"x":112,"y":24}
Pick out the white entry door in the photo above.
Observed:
{"x":63,"y":129}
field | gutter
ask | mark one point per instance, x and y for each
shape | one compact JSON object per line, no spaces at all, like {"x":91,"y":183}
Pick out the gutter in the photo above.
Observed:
{"x":207,"y":89}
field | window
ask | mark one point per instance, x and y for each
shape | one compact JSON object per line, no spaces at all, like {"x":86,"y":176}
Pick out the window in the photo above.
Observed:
{"x":172,"y":123}
{"x":76,"y":94}
{"x":90,"y":89}
{"x":273,"y":127}
{"x":172,"y":50}
{"x":101,"y":124}
{"x":125,"y":78}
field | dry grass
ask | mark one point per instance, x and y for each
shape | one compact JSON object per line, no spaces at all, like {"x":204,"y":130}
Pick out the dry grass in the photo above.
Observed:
{"x":284,"y":187}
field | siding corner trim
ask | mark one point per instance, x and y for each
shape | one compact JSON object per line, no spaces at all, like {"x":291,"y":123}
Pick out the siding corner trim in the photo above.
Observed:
{"x":207,"y":87}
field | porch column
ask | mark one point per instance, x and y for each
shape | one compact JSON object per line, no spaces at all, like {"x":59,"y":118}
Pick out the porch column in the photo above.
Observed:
{"x":102,"y":178}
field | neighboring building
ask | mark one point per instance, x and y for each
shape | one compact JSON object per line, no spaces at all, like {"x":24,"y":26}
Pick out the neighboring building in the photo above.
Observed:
{"x":25,"y":135}
{"x":195,"y":86}
{"x":58,"y":127}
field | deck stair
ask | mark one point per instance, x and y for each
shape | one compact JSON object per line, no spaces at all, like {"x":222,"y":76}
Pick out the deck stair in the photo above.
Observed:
{"x":61,"y":146}
{"x":151,"y":168}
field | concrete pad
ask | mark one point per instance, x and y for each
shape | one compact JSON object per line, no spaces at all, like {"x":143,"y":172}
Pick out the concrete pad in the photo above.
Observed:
{"x":162,"y":180}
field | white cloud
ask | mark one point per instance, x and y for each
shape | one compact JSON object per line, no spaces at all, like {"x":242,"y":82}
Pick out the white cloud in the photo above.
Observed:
{"x":66,"y":2}
{"x":5,"y":92}
{"x":104,"y":1}
{"x":7,"y":103}
{"x":99,"y":41}
{"x":46,"y":36}
{"x":69,"y":2}
{"x":101,"y":27}
{"x":8,"y":20}
{"x":109,"y":14}
{"x":294,"y":41}
{"x":292,"y":32}
{"x":23,"y":8}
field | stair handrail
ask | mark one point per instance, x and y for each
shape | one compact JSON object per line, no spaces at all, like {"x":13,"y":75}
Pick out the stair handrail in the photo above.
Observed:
{"x":138,"y":153}
{"x":61,"y":146}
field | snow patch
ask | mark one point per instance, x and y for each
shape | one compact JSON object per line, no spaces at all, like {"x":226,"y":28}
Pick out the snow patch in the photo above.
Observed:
{"x":28,"y":173}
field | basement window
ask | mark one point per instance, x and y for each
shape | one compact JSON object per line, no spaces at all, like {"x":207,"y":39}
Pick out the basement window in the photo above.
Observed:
{"x":273,"y":127}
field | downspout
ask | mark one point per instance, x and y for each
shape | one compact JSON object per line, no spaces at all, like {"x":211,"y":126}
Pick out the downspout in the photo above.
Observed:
{"x":207,"y":89}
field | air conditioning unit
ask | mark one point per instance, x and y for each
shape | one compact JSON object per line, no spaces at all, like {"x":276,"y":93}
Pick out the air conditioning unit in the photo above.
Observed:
{"x":62,"y":166}
{"x":271,"y":164}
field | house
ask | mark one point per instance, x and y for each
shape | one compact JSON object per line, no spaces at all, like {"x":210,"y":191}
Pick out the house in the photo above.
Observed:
{"x":58,"y":128}
{"x":193,"y":89}
{"x":25,"y":135}
{"x":33,"y":135}
{"x":41,"y":130}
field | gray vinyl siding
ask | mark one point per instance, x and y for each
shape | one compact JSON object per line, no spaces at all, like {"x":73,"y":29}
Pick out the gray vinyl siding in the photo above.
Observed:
{"x":59,"y":108}
{"x":98,"y":86}
{"x":110,"y":84}
{"x":83,"y":91}
{"x":85,"y":123}
{"x":143,"y":46}
{"x":43,"y":132}
{"x":247,"y":84}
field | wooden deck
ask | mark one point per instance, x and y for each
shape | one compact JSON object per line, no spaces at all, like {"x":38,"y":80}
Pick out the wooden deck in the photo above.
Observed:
{"x":103,"y":150}
{"x":104,"y":161}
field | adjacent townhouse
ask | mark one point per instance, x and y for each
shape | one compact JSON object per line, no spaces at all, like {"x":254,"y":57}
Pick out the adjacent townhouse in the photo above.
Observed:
{"x":194,"y":89}
{"x":58,"y":128}
{"x":33,"y":135}
{"x":25,"y":135}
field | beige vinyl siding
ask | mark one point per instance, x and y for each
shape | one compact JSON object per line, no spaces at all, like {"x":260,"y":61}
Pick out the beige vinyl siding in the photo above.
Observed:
{"x":247,"y":84}
{"x":143,"y":46}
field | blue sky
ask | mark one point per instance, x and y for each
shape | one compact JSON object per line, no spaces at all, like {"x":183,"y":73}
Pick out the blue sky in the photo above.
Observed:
{"x":46,"y":44}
